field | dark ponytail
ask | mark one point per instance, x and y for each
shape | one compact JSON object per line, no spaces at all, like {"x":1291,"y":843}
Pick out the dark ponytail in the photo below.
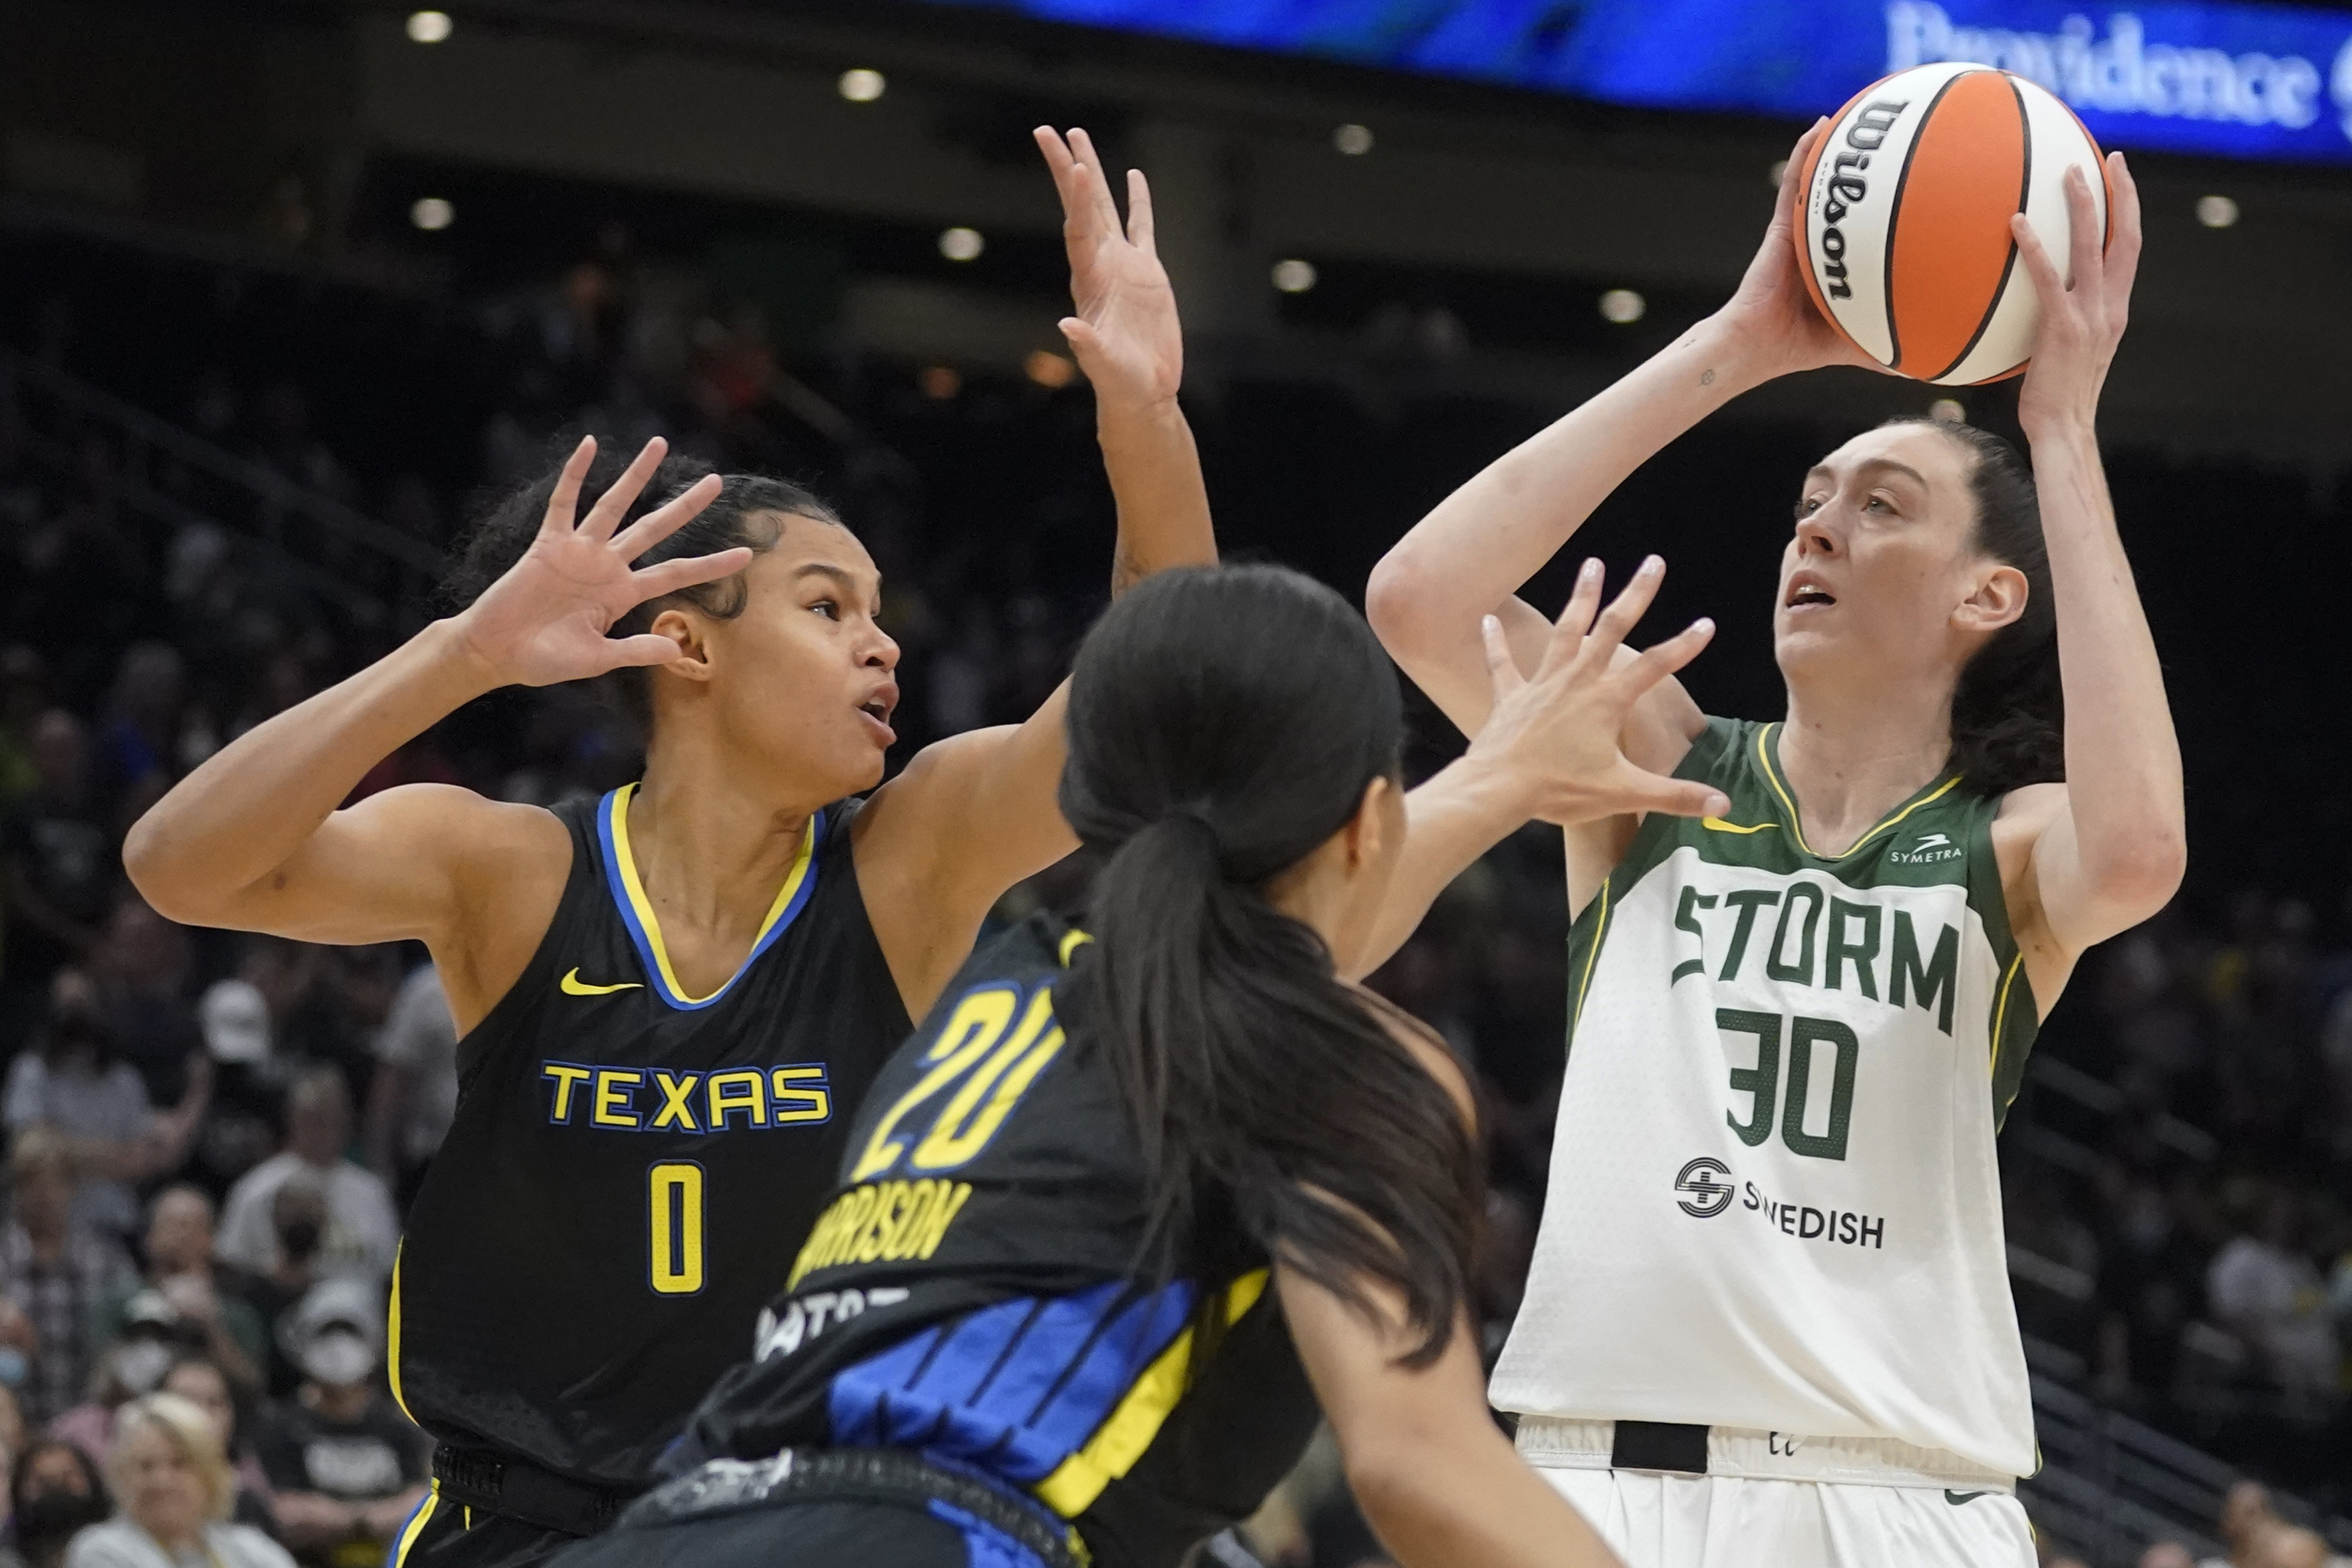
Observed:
{"x":2009,"y":714}
{"x":1223,"y":724}
{"x":747,"y":513}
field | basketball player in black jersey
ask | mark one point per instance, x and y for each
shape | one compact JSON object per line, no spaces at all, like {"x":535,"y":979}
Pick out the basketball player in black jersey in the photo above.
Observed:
{"x":1137,"y":1197}
{"x":672,"y":998}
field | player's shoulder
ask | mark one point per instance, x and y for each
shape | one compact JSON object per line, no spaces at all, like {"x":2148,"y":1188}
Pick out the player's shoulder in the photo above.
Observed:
{"x":1426,"y":1047}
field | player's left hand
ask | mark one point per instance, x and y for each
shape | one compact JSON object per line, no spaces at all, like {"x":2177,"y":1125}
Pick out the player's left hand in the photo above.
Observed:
{"x":2081,"y":324}
{"x":1124,"y":332}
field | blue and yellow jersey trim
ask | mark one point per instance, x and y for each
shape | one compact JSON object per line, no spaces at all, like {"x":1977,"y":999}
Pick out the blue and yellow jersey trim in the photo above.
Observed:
{"x":644,"y":929}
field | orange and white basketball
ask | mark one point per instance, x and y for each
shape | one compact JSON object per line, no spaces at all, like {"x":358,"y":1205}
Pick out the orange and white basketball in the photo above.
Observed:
{"x":1903,"y":240}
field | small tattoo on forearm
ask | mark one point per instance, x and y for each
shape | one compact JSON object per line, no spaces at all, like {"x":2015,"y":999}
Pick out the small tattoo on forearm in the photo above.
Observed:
{"x":1706,"y":378}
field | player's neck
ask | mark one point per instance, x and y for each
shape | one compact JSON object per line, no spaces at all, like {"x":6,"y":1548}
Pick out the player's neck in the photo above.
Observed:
{"x":713,"y":841}
{"x":1851,"y":757}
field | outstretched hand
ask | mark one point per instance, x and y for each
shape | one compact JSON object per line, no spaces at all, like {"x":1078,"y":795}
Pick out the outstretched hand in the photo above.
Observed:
{"x":545,"y":620}
{"x":2082,"y":321}
{"x":1125,"y":331}
{"x":1772,"y":311}
{"x":1555,"y":735}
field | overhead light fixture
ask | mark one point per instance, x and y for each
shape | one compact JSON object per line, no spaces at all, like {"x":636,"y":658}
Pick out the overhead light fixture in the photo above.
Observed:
{"x":862,"y":86}
{"x":1947,"y":411}
{"x":1294,"y":275}
{"x":429,"y":27}
{"x":432,"y":214}
{"x":1622,"y":306}
{"x":2216,"y":212}
{"x":961,"y":244}
{"x":1353,"y":139}
{"x":1048,"y":369}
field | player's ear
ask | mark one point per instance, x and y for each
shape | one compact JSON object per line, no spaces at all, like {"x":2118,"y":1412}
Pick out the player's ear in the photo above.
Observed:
{"x":1999,"y":599}
{"x":1378,"y":822}
{"x":693,"y":661}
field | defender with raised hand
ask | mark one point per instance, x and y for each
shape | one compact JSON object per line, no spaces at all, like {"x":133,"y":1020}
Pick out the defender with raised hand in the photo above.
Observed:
{"x":672,"y":998}
{"x":1768,"y":1320}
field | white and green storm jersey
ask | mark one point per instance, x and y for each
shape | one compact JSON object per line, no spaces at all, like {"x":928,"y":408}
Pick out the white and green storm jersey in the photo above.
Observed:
{"x":1774,"y":1202}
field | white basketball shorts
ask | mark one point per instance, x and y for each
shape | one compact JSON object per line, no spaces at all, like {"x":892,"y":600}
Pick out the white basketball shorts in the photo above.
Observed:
{"x":1664,"y":1519}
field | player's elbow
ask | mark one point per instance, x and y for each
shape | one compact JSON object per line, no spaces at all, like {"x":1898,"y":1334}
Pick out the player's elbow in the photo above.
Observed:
{"x":1398,"y":603}
{"x":2142,"y":871}
{"x":156,"y":870}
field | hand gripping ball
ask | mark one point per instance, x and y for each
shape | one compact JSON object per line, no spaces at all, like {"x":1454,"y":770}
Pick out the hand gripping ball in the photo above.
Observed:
{"x":1904,"y":238}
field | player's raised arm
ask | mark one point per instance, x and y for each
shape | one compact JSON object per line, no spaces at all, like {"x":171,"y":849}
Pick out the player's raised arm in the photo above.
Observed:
{"x":252,"y":838}
{"x":2110,"y":848}
{"x":975,"y":813}
{"x":1549,"y":752}
{"x":1467,"y":559}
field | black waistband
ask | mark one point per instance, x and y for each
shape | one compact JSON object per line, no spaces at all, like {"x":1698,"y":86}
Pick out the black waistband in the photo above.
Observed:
{"x":1658,"y":1446}
{"x":517,"y":1488}
{"x":891,"y":1475}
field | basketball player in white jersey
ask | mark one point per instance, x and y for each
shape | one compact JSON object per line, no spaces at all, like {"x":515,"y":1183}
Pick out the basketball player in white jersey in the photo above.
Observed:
{"x":1769,"y":1324}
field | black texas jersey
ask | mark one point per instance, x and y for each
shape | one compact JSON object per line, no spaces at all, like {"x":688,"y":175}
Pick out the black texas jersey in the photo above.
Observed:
{"x":969,"y":1292}
{"x":632,"y":1170}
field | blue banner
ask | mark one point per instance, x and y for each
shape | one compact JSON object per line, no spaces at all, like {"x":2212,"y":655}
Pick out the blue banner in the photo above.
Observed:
{"x":2228,"y":80}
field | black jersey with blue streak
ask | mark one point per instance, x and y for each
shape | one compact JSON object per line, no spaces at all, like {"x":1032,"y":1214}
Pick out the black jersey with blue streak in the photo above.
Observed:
{"x":632,"y":1169}
{"x":969,"y":1292}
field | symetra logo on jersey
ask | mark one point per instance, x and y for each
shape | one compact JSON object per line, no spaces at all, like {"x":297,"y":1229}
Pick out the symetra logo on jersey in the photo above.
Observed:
{"x":1930,"y":848}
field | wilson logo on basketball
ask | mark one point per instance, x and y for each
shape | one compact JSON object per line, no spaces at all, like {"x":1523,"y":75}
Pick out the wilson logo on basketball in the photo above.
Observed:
{"x":1847,"y":186}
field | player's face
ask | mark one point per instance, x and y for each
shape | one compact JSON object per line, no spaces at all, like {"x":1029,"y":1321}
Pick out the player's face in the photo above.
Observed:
{"x":1882,"y":573}
{"x":804,"y":679}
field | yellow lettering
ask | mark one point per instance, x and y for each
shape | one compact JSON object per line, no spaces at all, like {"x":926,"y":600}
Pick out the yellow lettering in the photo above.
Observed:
{"x":935,"y":1228}
{"x":565,"y":1078}
{"x":910,"y":1219}
{"x":951,"y":1141}
{"x":810,"y":1105}
{"x":745,"y":1089}
{"x":614,"y":1088}
{"x":678,"y":1105}
{"x":978,"y":1022}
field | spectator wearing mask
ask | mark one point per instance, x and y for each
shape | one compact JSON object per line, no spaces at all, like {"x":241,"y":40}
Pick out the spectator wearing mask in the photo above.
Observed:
{"x":55,"y":1272}
{"x":54,"y":1493}
{"x":361,"y":1228}
{"x":57,"y":859}
{"x":174,"y":1488}
{"x":346,"y":1466}
{"x":199,"y":1380}
{"x":152,"y":1338}
{"x":180,"y":1272}
{"x":414,"y":1095}
{"x":73,"y":1084}
{"x":298,"y":1219}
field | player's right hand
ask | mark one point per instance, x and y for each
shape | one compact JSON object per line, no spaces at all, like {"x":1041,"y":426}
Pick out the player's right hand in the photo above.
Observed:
{"x":545,"y":620}
{"x":1555,"y":737}
{"x":1772,"y":316}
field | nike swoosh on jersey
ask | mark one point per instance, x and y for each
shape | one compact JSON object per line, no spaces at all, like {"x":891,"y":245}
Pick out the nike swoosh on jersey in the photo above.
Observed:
{"x":1957,"y":1498}
{"x":571,"y":984}
{"x":1717,"y":825}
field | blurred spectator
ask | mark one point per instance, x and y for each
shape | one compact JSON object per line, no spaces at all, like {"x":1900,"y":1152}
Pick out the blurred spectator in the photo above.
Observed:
{"x":180,"y":1276}
{"x":174,"y":1488}
{"x":2167,"y":1554}
{"x":199,"y":1380}
{"x":2263,"y":1289}
{"x":23,"y":697}
{"x":298,"y":1219}
{"x":55,"y":1271}
{"x":415,"y":1096}
{"x":147,"y":738}
{"x":2247,"y":1517}
{"x":140,"y":964}
{"x":59,"y":857}
{"x":73,"y":1085}
{"x":346,"y":1466}
{"x":54,"y":1494}
{"x":133,"y":1365}
{"x":361,"y":1230}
